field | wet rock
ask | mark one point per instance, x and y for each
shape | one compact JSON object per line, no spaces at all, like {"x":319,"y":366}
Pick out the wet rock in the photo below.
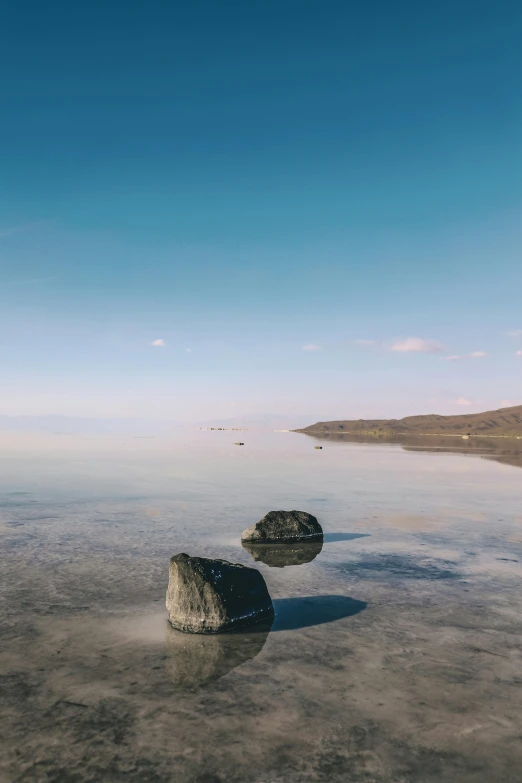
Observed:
{"x":284,"y":526}
{"x":285,"y":554}
{"x":211,"y":596}
{"x":196,"y":660}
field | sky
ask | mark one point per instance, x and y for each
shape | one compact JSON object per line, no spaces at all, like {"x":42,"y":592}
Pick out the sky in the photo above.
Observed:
{"x":232,"y":209}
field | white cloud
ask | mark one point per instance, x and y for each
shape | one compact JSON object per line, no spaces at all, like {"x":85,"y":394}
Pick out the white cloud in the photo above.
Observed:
{"x":311,"y":347}
{"x":417,"y":345}
{"x":158,"y":343}
{"x":463,"y":401}
{"x":457,"y":357}
{"x":518,"y":353}
{"x":515,"y":333}
{"x":364,"y":342}
{"x":188,"y":350}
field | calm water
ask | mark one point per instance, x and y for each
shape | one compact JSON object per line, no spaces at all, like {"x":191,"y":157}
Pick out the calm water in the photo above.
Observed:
{"x":395,"y":655}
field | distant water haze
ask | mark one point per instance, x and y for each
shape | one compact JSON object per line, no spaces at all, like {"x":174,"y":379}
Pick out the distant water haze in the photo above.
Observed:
{"x":137,"y":426}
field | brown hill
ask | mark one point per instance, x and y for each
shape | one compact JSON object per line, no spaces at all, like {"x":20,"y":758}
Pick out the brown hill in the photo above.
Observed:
{"x":506,"y":422}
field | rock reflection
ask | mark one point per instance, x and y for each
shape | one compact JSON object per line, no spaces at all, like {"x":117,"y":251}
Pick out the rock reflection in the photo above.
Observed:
{"x":196,"y":660}
{"x":281,"y":555}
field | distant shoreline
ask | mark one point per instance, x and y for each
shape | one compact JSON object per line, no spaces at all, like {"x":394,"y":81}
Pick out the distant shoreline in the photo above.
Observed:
{"x":502,"y":423}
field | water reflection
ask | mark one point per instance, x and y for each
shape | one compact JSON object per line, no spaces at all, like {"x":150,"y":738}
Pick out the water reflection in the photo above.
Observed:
{"x":281,"y":555}
{"x":294,"y":613}
{"x":195,"y":660}
{"x":508,"y":451}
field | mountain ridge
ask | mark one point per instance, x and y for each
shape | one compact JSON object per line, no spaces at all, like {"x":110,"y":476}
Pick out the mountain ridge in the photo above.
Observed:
{"x":504,"y":422}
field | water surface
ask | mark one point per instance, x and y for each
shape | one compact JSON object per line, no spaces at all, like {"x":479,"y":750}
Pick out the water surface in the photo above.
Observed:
{"x":395,"y":654}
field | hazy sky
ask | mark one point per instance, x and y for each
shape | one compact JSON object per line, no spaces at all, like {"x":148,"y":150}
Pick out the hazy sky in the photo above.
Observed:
{"x":229,"y":207}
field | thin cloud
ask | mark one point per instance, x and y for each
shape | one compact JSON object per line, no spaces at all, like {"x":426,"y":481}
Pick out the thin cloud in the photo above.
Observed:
{"x":417,"y":345}
{"x":459,"y":357}
{"x":518,"y":353}
{"x":188,"y":350}
{"x":364,"y":342}
{"x":30,"y":281}
{"x":515,"y":333}
{"x":311,"y":347}
{"x":158,"y":343}
{"x":463,"y":401}
{"x":10,"y":230}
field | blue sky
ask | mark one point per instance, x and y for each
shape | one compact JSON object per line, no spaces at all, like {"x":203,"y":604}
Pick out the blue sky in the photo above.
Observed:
{"x":259,"y":186}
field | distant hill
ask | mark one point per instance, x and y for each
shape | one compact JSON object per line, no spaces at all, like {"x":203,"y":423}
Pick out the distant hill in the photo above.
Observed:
{"x":506,"y":422}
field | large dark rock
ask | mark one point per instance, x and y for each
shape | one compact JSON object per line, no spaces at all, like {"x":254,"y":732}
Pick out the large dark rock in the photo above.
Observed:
{"x":196,"y":660}
{"x":211,"y":596}
{"x":284,"y":526}
{"x":285,"y":554}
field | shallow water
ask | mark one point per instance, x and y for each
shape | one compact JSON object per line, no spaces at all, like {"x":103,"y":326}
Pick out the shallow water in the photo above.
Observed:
{"x":395,"y":654}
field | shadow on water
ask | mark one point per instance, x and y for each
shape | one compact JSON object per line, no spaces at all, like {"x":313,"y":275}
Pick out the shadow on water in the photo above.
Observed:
{"x":281,"y":555}
{"x":382,"y":567}
{"x":196,"y":660}
{"x":332,"y":538}
{"x":294,"y":613}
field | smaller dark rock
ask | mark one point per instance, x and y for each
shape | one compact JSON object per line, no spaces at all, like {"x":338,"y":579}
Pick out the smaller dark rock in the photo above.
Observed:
{"x":211,"y":596}
{"x":318,"y":447}
{"x":284,"y":526}
{"x":239,"y":444}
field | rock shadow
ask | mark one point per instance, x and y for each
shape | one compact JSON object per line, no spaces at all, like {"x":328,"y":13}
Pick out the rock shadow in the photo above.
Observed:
{"x":294,"y":613}
{"x":399,"y":567}
{"x":332,"y":538}
{"x":282,"y":555}
{"x":196,"y":660}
